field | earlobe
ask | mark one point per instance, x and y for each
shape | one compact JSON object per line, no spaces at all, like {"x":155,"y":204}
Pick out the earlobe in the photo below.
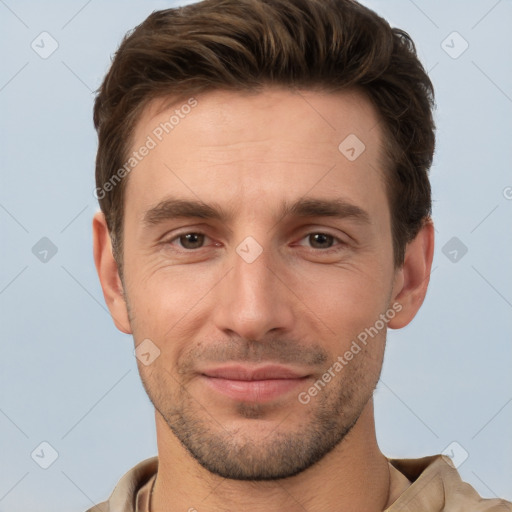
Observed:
{"x":411,"y":281}
{"x":108,"y":274}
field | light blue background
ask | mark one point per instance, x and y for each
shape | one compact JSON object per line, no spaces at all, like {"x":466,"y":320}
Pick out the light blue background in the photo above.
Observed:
{"x":69,"y":378}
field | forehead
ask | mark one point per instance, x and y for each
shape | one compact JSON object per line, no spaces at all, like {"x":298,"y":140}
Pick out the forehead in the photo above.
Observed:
{"x":226,"y":116}
{"x":256,"y":147}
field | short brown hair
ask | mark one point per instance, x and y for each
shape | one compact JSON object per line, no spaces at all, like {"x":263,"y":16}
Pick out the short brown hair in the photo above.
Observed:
{"x":244,"y":45}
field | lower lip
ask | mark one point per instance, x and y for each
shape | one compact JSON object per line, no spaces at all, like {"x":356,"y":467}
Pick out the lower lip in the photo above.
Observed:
{"x":253,"y":390}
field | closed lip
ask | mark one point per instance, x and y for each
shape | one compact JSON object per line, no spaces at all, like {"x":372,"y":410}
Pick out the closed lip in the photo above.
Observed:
{"x":249,"y":373}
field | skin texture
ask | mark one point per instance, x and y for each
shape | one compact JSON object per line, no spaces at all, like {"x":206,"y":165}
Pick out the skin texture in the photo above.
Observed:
{"x":301,"y":303}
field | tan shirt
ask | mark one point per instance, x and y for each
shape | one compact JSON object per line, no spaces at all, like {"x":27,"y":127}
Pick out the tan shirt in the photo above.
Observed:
{"x":429,"y":484}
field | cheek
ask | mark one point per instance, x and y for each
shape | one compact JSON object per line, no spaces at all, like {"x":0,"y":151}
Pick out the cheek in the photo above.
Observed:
{"x":165,"y":302}
{"x":346,"y":298}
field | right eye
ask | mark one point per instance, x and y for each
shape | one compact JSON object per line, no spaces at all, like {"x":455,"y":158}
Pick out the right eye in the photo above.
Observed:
{"x":189,"y":240}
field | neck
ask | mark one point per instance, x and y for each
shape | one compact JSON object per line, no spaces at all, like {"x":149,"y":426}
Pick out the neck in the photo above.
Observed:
{"x":340,"y":481}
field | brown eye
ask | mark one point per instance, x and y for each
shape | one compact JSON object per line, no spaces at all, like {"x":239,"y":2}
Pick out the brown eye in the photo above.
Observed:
{"x":191,"y":240}
{"x":321,"y":240}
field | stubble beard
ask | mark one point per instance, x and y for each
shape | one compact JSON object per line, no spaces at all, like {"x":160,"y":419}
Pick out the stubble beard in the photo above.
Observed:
{"x":286,"y":450}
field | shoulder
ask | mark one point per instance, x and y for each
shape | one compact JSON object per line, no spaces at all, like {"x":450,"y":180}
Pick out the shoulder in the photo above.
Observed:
{"x":124,"y":493}
{"x":437,"y":486}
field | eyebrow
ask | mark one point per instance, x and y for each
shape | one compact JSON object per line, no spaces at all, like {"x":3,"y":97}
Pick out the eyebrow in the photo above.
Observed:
{"x":171,"y":208}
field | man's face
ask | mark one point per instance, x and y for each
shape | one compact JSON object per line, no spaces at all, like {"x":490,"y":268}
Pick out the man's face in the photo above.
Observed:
{"x":261,"y":291}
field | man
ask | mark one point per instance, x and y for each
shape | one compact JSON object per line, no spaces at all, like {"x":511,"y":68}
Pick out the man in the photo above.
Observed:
{"x":262,"y":173}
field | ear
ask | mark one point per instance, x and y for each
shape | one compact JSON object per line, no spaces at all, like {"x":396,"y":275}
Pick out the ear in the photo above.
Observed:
{"x":411,"y":281}
{"x":108,"y":273}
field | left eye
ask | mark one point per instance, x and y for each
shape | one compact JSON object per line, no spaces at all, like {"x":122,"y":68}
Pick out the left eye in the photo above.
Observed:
{"x":320,"y":240}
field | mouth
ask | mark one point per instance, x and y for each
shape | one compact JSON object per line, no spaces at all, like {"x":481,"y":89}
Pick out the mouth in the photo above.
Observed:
{"x":253,"y":384}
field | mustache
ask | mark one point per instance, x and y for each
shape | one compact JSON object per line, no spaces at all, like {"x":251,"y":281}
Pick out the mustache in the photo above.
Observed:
{"x":274,"y":350}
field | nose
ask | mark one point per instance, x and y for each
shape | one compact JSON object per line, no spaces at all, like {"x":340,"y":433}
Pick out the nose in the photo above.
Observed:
{"x":253,"y":299}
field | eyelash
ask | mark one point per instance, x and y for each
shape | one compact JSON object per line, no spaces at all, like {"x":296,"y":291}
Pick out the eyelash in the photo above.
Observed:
{"x":329,"y":250}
